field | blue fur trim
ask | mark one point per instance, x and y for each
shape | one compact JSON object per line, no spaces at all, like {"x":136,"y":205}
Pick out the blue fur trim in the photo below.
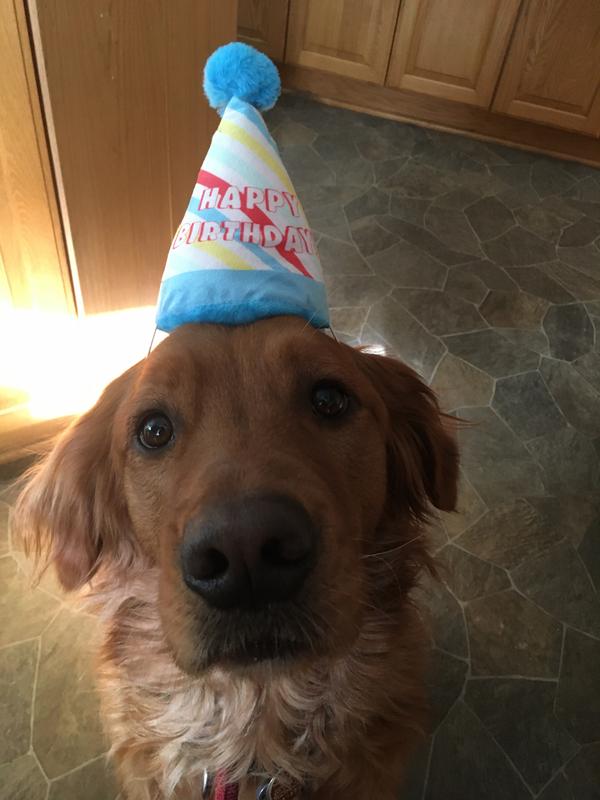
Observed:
{"x":232,"y":297}
{"x":238,"y":70}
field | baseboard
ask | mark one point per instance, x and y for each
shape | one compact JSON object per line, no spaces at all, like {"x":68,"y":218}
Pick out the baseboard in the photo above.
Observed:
{"x":442,"y":114}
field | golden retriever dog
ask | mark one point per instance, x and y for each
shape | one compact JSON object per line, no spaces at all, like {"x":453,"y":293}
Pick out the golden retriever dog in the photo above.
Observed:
{"x":247,"y":509}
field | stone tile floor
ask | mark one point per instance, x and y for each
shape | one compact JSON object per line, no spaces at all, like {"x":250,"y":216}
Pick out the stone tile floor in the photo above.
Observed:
{"x":479,"y":265}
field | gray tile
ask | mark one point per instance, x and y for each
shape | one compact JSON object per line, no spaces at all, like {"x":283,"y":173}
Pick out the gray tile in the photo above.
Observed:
{"x":341,"y":258}
{"x":348,"y":320}
{"x":524,"y":402}
{"x":490,"y":275}
{"x":588,"y":367}
{"x":314,"y":197}
{"x":374,"y":201}
{"x":489,"y":218}
{"x":413,"y":785}
{"x":305,"y":167}
{"x":425,"y":240}
{"x":451,"y":228}
{"x":519,"y":247}
{"x":572,"y":513}
{"x":519,"y":714}
{"x":583,"y":773}
{"x":495,"y":461}
{"x":547,"y":180}
{"x":410,"y":209}
{"x":468,"y":576}
{"x":527,"y":338}
{"x":510,"y":534}
{"x":355,"y":290}
{"x":439,"y":312}
{"x":92,"y":782}
{"x":542,"y":223}
{"x":370,"y":237}
{"x":459,"y":384}
{"x":569,"y":331}
{"x":576,"y":398}
{"x":417,"y":180}
{"x":65,"y":697}
{"x":17,"y":672}
{"x":375,"y":145}
{"x":22,"y":779}
{"x":589,"y":552}
{"x":382,"y":169}
{"x":513,"y":309}
{"x":578,"y":697}
{"x":467,"y":763}
{"x":586,"y":190}
{"x":513,"y":175}
{"x":445,"y":681}
{"x":582,"y":259}
{"x":566,"y":593}
{"x":579,"y":285}
{"x":469,"y":508}
{"x":568,"y":460}
{"x":510,"y":636}
{"x":489,"y":351}
{"x":562,"y":208}
{"x":536,"y":282}
{"x":357,"y":173}
{"x":580,"y":233}
{"x":404,"y":264}
{"x":457,"y":199}
{"x":288,"y":134}
{"x":24,"y":612}
{"x":516,"y":197}
{"x":332,"y":147}
{"x":465,"y":285}
{"x":557,"y":789}
{"x":408,"y":338}
{"x":331,"y":221}
{"x":447,"y":620}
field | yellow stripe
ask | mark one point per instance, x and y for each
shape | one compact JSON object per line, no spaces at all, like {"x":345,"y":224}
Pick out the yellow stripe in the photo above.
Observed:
{"x":243,"y":137}
{"x":222,"y":253}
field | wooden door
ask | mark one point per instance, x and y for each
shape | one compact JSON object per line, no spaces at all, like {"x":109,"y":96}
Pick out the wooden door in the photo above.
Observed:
{"x":552,"y":73}
{"x":348,"y":37}
{"x":263,"y":23}
{"x":452,"y":48}
{"x":122,"y":84}
{"x":33,"y":268}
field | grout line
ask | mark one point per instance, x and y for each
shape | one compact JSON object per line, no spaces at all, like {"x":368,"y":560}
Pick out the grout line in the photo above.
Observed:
{"x":34,"y":690}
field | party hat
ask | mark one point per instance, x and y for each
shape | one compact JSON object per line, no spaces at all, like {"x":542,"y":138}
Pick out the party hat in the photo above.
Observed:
{"x":244,"y":250}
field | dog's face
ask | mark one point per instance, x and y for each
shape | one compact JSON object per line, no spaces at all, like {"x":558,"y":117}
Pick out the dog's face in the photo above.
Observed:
{"x":262,"y":470}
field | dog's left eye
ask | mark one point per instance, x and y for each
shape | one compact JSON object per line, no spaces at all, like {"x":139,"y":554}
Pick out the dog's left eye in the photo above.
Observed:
{"x":329,"y":400}
{"x":155,"y":431}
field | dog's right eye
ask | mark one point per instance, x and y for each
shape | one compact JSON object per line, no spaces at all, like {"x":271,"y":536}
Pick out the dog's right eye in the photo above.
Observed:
{"x":155,"y":431}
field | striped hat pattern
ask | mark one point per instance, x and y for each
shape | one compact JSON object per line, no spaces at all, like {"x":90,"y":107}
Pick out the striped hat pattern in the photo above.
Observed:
{"x":244,"y":250}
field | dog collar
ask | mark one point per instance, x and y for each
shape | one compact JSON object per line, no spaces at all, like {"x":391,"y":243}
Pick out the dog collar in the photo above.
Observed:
{"x":271,"y":789}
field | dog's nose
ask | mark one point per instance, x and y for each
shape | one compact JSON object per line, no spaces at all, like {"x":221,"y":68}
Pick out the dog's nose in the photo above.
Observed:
{"x":249,"y":552}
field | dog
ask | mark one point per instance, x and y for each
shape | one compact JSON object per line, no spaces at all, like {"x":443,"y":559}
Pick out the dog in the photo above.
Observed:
{"x":247,"y":508}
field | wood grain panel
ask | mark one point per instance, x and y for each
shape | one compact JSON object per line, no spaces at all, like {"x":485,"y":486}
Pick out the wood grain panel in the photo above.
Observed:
{"x":347,"y":37}
{"x":263,"y":23}
{"x":452,"y":48}
{"x":552,"y":72}
{"x":437,"y":112}
{"x":33,"y":267}
{"x":130,"y":127}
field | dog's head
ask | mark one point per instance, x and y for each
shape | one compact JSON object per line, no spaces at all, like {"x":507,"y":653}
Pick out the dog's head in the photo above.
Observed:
{"x":273,"y":477}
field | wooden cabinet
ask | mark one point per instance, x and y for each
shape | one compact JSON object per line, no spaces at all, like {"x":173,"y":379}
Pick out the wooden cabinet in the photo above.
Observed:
{"x":552,"y":72}
{"x":263,"y":23}
{"x":123,"y":101}
{"x":347,"y":37}
{"x":452,"y":48}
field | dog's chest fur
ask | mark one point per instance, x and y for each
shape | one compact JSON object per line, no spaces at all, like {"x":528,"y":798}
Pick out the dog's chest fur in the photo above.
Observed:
{"x":166,"y":727}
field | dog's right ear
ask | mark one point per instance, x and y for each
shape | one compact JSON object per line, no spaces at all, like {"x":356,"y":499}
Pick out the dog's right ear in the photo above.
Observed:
{"x":72,"y":512}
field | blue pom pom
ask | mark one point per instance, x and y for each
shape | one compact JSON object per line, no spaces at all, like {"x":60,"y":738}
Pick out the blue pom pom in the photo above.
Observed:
{"x":238,"y":70}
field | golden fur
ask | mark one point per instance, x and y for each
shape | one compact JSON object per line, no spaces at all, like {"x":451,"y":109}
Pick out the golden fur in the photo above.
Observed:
{"x":341,"y":717}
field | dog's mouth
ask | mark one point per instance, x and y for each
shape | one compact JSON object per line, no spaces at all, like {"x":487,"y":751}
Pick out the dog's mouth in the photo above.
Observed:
{"x":237,"y":638}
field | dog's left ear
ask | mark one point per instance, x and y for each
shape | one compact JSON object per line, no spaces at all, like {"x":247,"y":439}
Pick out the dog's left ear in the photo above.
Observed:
{"x":422,"y":450}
